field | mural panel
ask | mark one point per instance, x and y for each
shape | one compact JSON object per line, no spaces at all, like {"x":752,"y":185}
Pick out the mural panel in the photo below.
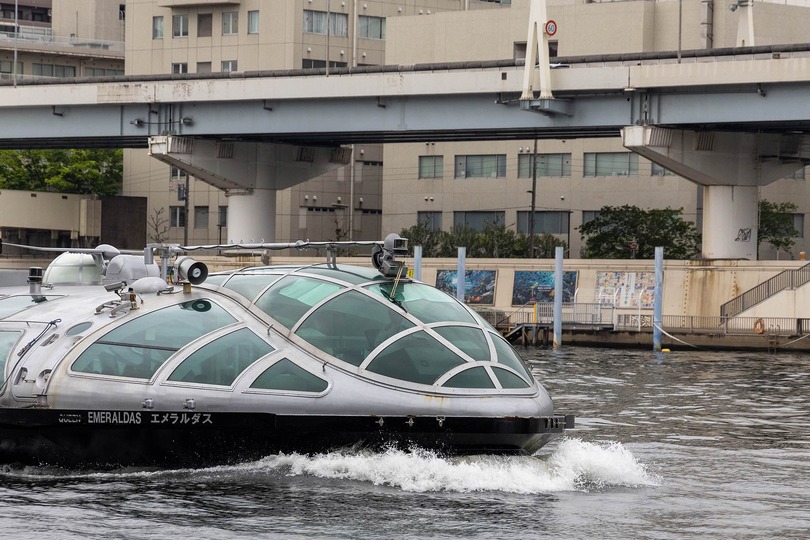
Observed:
{"x":479,"y":285}
{"x":631,"y":289}
{"x":539,"y":286}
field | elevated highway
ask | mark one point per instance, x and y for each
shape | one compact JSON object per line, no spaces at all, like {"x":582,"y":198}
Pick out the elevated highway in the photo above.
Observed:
{"x":731,"y":120}
{"x":745,"y":89}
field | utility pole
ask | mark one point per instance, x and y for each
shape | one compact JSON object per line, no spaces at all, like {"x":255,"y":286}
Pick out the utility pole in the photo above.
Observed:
{"x":16,"y":37}
{"x":186,"y":195}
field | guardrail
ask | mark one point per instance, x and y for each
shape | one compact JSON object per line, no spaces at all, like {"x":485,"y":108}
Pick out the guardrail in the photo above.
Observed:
{"x":789,"y":279}
{"x":543,"y":313}
{"x":696,"y":324}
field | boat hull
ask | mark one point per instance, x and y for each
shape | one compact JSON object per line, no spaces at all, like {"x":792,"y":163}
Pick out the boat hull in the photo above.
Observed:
{"x":95,"y":439}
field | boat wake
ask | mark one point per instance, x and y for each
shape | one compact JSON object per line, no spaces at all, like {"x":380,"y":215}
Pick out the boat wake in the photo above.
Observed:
{"x":573,"y":465}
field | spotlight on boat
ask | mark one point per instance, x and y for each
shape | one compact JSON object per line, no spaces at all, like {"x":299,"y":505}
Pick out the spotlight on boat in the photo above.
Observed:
{"x":383,"y":257}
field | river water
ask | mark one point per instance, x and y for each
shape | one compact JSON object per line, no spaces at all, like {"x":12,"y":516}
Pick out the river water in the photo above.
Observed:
{"x":668,"y":445}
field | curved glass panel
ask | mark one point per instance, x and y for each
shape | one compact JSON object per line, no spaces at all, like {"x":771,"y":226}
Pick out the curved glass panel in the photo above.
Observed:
{"x":284,"y":375}
{"x":221,"y":361}
{"x":508,"y":357}
{"x":470,"y":340}
{"x":73,"y":268}
{"x":140,"y":346}
{"x":14,"y":304}
{"x":121,"y":361}
{"x":289,"y":298}
{"x":509,"y":379}
{"x":351,"y":325}
{"x":355,"y":275}
{"x":476,"y":377}
{"x":216,"y":279}
{"x":424,"y":302}
{"x":416,"y":358}
{"x":249,"y":285}
{"x":7,"y":341}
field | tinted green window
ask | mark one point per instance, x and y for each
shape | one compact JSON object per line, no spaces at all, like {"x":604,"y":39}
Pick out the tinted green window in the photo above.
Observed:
{"x":509,"y":379}
{"x":139,"y":347}
{"x":7,"y":341}
{"x":291,"y":297}
{"x":14,"y":304}
{"x":508,"y":357}
{"x":356,"y":276}
{"x":416,"y":358}
{"x":250,"y":285}
{"x":351,"y":325}
{"x":424,"y":302}
{"x":469,"y":340}
{"x":476,"y":377}
{"x":221,"y":361}
{"x":284,"y":375}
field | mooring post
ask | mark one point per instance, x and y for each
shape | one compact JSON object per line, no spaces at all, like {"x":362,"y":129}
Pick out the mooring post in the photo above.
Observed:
{"x":558,"y":296}
{"x":460,"y":274}
{"x":658,"y":300}
{"x":417,"y":263}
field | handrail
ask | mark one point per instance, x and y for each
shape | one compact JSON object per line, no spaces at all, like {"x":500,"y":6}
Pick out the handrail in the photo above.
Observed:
{"x":788,"y":279}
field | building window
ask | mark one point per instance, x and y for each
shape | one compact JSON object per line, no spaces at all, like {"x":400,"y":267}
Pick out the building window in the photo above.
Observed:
{"x":478,"y":221}
{"x":544,"y":222}
{"x":315,"y":23}
{"x":200,"y":217}
{"x":431,"y":166}
{"x":205,"y":22}
{"x":429,"y":220}
{"x":658,"y":170}
{"x":611,"y":164}
{"x":52,"y":70}
{"x":553,"y":49}
{"x":589,"y":215}
{"x":223,"y":217}
{"x":203,"y":67}
{"x":546,"y":165}
{"x":7,"y":67}
{"x":180,"y":25}
{"x":230,"y":23}
{"x":484,"y":166}
{"x":180,"y":68}
{"x":371,"y":27}
{"x":178,"y":175}
{"x":102,"y":72}
{"x":122,"y":12}
{"x":308,"y":64}
{"x":177,"y":216}
{"x":798,"y":224}
{"x":253,"y":22}
{"x":157,"y":27}
{"x":228,"y":66}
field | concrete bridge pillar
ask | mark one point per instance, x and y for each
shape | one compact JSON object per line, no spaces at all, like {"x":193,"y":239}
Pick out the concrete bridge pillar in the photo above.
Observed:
{"x":731,"y":167}
{"x":250,"y":174}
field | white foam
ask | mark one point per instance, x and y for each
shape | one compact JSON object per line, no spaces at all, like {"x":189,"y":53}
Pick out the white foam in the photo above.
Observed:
{"x":574,"y":465}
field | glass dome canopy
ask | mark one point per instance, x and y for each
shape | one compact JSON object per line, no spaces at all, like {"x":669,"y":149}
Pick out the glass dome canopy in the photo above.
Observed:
{"x":406,"y":331}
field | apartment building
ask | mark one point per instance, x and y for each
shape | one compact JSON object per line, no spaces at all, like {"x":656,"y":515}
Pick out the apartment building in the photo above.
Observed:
{"x":200,"y":36}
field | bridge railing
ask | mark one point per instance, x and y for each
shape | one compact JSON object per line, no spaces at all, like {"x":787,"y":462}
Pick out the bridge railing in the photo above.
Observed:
{"x":572,"y":313}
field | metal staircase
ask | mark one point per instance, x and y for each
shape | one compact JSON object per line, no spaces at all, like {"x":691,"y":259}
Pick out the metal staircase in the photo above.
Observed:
{"x":789,"y":279}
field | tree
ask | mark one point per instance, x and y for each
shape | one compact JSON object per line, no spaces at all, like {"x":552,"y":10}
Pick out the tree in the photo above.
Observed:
{"x":627,"y":232}
{"x":84,"y":171}
{"x":157,"y":225}
{"x":776,"y":225}
{"x":430,"y":239}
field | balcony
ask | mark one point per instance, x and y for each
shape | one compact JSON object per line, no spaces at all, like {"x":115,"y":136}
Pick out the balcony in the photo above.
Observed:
{"x":196,"y":3}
